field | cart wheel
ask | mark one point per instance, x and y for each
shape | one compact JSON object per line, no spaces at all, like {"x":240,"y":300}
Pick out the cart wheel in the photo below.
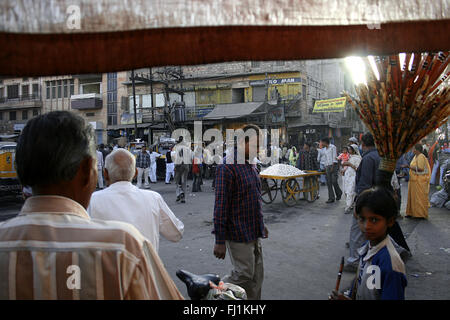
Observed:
{"x":312,"y":184}
{"x":290,"y":189}
{"x":269,"y":189}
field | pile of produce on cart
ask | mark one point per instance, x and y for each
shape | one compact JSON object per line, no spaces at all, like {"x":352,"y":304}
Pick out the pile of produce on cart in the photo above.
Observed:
{"x":289,"y":187}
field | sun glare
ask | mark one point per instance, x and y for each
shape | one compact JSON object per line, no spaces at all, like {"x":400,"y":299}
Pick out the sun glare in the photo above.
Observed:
{"x":357,"y":69}
{"x":402,"y":57}
{"x":374,"y":67}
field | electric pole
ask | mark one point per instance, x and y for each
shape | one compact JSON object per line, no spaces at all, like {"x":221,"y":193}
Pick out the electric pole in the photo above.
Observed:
{"x":134,"y":104}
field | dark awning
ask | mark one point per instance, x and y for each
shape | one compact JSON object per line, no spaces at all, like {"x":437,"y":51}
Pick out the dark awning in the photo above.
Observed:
{"x":128,"y":126}
{"x":232,"y":110}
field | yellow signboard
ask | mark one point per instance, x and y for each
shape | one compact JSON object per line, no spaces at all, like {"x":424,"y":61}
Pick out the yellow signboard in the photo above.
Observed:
{"x":330,"y":105}
{"x":7,"y":169}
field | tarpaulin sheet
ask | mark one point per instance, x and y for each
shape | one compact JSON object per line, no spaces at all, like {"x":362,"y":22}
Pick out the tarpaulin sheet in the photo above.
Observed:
{"x":52,"y":37}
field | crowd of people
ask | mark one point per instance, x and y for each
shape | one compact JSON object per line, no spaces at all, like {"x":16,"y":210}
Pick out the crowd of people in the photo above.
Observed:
{"x":421,"y":167}
{"x":358,"y":163}
{"x":113,"y":234}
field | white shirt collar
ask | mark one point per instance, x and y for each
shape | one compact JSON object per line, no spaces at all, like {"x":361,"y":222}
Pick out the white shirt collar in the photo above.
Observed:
{"x":120,"y":184}
{"x":369,"y":251}
{"x":53,"y":204}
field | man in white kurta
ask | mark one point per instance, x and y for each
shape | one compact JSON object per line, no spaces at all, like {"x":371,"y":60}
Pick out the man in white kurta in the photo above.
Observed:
{"x":152,"y":172}
{"x":122,"y":201}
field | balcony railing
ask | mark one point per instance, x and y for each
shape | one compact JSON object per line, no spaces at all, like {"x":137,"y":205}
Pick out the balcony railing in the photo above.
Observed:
{"x":86,"y":101}
{"x":27,"y":97}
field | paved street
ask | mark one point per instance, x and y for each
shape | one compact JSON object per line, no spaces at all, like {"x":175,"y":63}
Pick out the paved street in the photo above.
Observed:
{"x":305,"y":244}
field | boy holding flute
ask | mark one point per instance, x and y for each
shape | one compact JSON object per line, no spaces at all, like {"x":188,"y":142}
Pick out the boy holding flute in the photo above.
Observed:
{"x":381,"y":271}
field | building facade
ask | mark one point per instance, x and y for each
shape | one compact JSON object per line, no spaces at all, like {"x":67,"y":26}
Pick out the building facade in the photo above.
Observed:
{"x":20,"y":100}
{"x":273,"y":94}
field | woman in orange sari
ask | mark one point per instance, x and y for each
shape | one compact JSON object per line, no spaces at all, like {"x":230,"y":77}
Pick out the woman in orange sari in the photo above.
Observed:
{"x":419,"y":185}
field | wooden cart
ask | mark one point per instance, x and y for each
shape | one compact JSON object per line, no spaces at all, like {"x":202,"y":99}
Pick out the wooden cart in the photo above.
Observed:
{"x":290,"y":188}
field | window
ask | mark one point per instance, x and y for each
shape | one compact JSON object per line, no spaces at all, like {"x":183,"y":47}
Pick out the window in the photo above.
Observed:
{"x":132,"y":104}
{"x":160,"y":100}
{"x":13,"y":91}
{"x":87,"y":88}
{"x":25,"y":89}
{"x":90,"y":114}
{"x":111,"y":89}
{"x":72,"y":86}
{"x":304,"y":92}
{"x":47,"y":84}
{"x":147,"y":101}
{"x":256,"y":64}
{"x":1,"y":115}
{"x":35,"y":112}
{"x":53,"y":89}
{"x":112,"y":120}
{"x":279,"y":63}
{"x":36,"y":90}
{"x":66,"y":90}
{"x":24,"y":114}
{"x":259,"y":94}
{"x":112,"y":96}
{"x":238,"y":95}
{"x":112,"y":84}
{"x":12,"y":115}
{"x":112,"y":107}
{"x":59,"y":89}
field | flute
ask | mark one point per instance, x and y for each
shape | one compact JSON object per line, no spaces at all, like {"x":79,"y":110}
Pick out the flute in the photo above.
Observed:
{"x":338,"y":281}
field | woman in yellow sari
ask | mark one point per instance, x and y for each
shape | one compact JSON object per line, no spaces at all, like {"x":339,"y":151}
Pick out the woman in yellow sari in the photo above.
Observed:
{"x":419,"y":185}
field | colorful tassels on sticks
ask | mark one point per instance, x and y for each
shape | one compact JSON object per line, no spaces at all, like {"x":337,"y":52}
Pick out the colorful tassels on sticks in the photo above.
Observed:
{"x":403,"y":106}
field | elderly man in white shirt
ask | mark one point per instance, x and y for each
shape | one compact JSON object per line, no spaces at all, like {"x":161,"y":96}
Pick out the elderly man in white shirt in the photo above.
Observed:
{"x":122,"y":201}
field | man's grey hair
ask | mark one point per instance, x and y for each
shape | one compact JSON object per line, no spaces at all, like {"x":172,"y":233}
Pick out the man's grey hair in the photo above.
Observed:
{"x":121,"y":165}
{"x":52,"y":147}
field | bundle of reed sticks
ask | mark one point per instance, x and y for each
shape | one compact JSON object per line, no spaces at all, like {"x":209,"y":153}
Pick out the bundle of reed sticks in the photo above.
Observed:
{"x":405,"y":104}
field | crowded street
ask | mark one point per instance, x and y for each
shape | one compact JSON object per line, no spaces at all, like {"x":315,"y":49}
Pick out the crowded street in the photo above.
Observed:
{"x":269,"y":156}
{"x":304,"y":247}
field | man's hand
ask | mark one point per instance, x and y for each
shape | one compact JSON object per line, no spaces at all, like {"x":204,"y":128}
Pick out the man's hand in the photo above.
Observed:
{"x":266,"y":233}
{"x":220,"y":251}
{"x":337,"y":296}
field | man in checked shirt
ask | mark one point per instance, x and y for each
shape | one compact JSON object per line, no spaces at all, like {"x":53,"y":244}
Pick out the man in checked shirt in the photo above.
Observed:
{"x":238,"y":220}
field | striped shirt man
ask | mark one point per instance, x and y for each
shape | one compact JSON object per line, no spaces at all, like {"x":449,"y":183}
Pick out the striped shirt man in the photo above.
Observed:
{"x":53,"y":250}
